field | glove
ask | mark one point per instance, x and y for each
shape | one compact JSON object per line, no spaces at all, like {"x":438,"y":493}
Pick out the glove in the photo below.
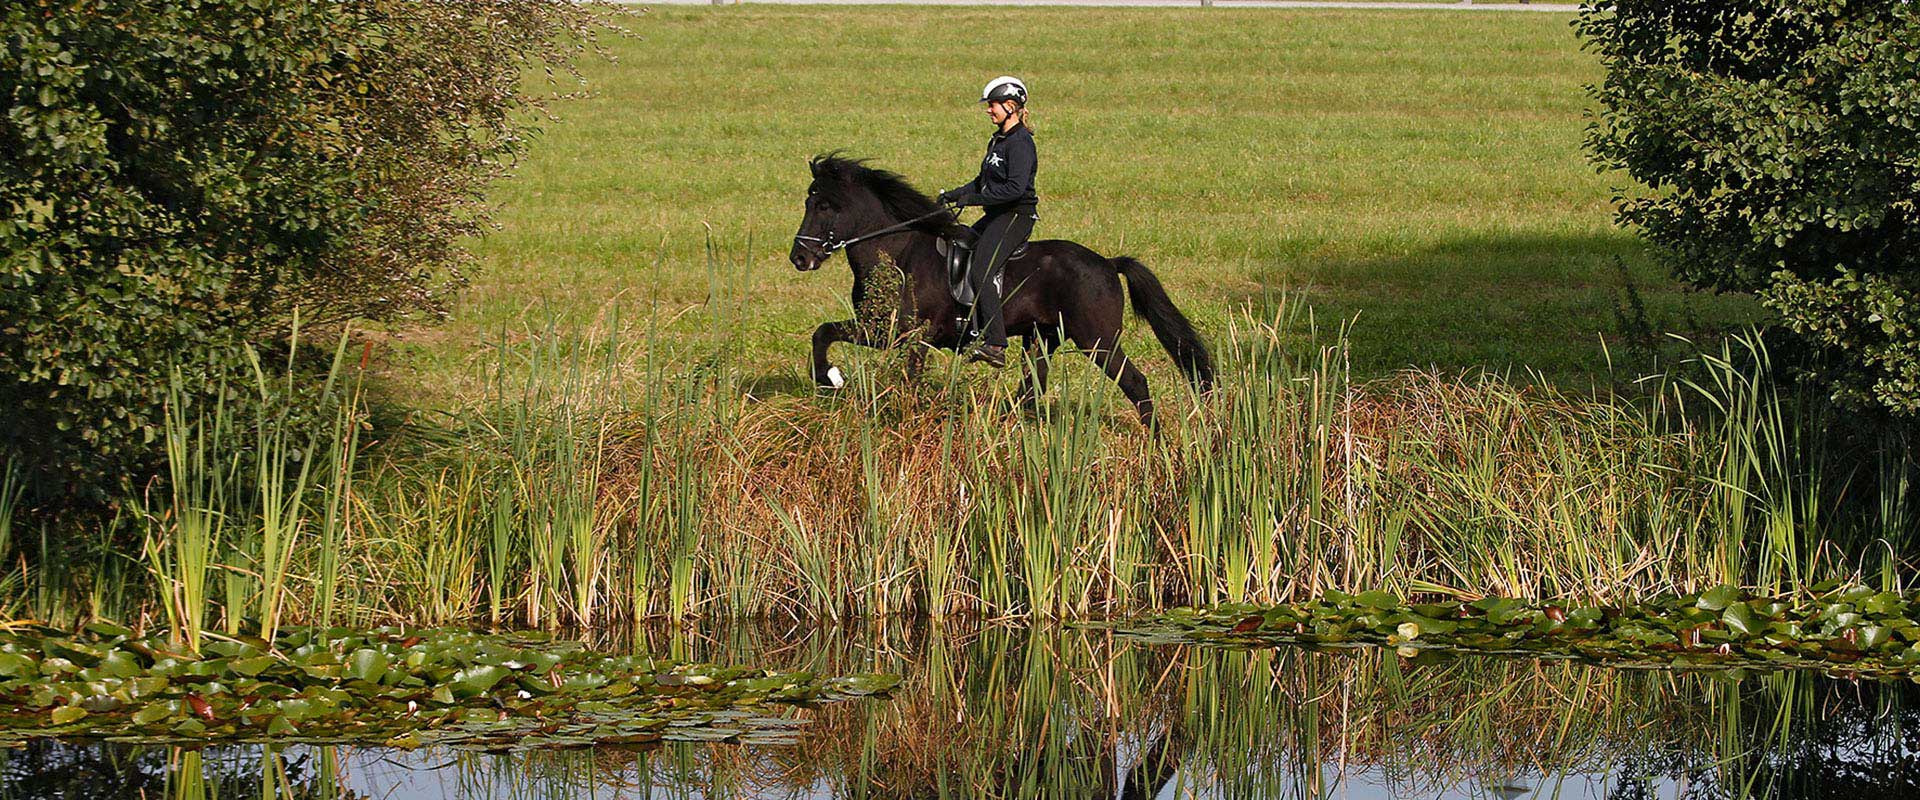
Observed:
{"x":947,"y":198}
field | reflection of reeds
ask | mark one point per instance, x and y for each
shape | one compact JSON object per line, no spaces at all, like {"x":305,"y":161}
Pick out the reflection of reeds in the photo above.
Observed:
{"x":997,"y":712}
{"x":1011,"y":713}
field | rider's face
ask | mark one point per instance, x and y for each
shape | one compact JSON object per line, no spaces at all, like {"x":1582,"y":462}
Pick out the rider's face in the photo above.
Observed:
{"x":997,"y":111}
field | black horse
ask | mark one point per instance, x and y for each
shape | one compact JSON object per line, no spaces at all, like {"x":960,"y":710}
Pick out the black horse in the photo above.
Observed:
{"x":1056,"y":290}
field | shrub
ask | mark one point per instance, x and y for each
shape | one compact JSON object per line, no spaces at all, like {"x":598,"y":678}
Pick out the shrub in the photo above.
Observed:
{"x":182,"y":176}
{"x":1779,"y":144}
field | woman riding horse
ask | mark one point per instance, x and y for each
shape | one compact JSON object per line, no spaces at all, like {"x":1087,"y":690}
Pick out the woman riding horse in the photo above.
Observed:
{"x":1004,"y":188}
{"x":1067,"y":292}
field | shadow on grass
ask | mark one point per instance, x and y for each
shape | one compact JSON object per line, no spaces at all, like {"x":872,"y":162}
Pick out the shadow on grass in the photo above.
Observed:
{"x":1504,"y":303}
{"x":775,"y":384}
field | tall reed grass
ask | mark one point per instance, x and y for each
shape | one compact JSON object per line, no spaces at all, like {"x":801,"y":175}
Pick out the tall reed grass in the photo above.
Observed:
{"x":565,"y":503}
{"x":221,"y":543}
{"x":614,"y":477}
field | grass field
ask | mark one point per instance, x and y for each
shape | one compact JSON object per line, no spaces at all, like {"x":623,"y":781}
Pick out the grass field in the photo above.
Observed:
{"x":1421,"y":170}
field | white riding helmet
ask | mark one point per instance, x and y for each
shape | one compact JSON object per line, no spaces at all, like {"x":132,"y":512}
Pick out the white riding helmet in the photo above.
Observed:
{"x":1005,"y":87}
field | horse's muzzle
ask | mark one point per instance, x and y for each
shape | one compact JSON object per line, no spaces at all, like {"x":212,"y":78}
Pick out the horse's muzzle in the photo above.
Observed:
{"x":805,"y":259}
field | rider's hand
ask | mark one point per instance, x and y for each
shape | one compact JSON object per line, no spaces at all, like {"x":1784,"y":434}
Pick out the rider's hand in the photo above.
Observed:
{"x":946,"y":198}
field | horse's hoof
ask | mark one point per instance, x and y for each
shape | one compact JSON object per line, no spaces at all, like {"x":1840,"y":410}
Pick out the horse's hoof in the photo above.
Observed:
{"x":834,"y":380}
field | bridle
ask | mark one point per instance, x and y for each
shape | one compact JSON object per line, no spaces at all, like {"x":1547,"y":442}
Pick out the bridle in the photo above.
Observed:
{"x":829,"y":243}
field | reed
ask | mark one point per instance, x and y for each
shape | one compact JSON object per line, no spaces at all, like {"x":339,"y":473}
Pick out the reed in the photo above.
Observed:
{"x":184,"y":536}
{"x":603,"y":483}
{"x":11,"y":493}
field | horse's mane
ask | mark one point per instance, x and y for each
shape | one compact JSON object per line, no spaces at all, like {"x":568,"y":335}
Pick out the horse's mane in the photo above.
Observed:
{"x":835,"y":173}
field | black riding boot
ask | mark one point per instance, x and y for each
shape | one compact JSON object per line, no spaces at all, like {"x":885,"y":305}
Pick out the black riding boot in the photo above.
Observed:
{"x":997,"y":235}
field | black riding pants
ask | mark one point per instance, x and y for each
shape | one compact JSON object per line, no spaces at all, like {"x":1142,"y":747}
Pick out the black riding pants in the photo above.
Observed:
{"x":996,"y":236}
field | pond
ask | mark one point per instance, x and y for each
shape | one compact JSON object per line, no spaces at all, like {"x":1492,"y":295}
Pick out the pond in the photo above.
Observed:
{"x":1026,"y":713}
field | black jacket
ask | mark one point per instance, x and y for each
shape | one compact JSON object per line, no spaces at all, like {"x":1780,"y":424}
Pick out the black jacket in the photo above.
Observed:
{"x":1006,"y":174}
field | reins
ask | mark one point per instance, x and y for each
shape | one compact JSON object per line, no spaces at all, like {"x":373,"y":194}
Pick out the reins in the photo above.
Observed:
{"x":829,"y":243}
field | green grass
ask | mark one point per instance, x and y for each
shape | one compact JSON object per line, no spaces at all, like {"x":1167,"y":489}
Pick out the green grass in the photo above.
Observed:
{"x":1422,"y":170}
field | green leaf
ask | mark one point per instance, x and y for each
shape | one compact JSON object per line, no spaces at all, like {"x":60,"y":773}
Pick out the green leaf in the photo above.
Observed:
{"x":153,"y":712}
{"x":1717,"y":598}
{"x":68,"y":714}
{"x":477,"y":680}
{"x":252,"y":667}
{"x":367,"y":665}
{"x":280,"y":726}
{"x":1739,"y":618}
{"x":14,"y":665}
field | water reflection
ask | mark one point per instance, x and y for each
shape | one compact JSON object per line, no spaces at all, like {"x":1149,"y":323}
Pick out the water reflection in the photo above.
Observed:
{"x":1075,"y":714}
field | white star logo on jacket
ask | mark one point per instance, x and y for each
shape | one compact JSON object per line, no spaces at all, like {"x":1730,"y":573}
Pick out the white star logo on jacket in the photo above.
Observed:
{"x":994,"y":159}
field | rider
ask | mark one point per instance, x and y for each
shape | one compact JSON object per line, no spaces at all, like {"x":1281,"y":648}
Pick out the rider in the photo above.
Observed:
{"x":1004,"y":190}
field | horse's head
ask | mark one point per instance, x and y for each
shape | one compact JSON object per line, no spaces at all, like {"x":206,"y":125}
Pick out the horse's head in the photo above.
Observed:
{"x":828,"y":212}
{"x":846,"y":199}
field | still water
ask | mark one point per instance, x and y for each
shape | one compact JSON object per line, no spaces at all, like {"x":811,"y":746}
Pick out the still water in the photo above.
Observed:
{"x":997,"y":712}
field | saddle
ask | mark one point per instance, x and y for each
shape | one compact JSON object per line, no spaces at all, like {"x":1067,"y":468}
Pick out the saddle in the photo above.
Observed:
{"x":958,"y":251}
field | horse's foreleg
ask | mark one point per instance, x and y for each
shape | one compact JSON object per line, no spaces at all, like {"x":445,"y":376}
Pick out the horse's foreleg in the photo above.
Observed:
{"x":825,"y":374}
{"x":1039,"y":345}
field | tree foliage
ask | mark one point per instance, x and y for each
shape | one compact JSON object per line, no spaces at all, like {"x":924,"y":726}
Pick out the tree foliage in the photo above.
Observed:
{"x":181,"y":175}
{"x":1779,"y":144}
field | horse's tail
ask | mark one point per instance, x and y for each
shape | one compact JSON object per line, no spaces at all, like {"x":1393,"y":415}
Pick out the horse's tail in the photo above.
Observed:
{"x":1171,"y":327}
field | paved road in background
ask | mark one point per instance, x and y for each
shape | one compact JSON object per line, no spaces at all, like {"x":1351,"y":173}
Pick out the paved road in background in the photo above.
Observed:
{"x":1538,"y":7}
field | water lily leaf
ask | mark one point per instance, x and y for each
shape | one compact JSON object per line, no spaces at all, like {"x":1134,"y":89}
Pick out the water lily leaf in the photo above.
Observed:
{"x":14,"y":665}
{"x":1377,"y":600}
{"x":107,"y":630}
{"x":1882,"y":604}
{"x":1739,"y":618}
{"x":1717,"y":598}
{"x":153,"y":712}
{"x":1872,"y":636}
{"x":119,"y":664}
{"x":281,"y":726}
{"x":68,"y":714}
{"x":251,"y":667}
{"x":368,"y":665}
{"x":477,"y":680}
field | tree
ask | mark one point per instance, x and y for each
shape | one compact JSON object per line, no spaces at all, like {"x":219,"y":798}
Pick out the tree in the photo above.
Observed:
{"x":182,"y":175}
{"x":1779,"y":144}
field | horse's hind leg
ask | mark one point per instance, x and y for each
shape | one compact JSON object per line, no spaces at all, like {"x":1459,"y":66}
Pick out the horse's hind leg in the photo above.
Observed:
{"x":1120,"y":368}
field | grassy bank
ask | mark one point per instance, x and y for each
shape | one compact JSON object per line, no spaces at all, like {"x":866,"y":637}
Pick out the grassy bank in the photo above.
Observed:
{"x":1419,"y":169}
